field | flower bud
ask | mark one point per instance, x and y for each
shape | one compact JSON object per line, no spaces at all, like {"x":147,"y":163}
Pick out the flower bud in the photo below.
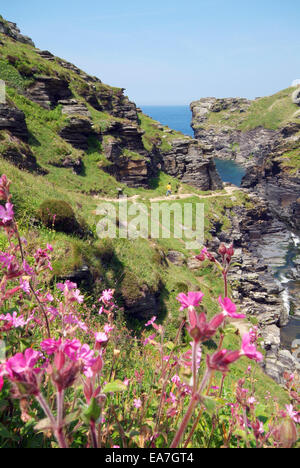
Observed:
{"x":286,"y":434}
{"x":230,"y":251}
{"x":222,"y":249}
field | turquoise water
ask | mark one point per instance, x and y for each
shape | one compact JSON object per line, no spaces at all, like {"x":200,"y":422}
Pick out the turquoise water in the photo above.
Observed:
{"x":179,"y":118}
{"x":230,"y":171}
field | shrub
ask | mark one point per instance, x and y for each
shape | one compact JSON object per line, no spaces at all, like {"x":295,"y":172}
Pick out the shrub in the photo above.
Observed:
{"x":59,"y":215}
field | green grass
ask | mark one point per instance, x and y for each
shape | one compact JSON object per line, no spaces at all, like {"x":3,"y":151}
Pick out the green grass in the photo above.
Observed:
{"x":291,"y":161}
{"x":156,"y":134}
{"x":10,"y":75}
{"x":270,"y":112}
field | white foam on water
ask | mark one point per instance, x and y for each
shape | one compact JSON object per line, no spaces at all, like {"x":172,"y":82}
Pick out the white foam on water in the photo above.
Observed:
{"x":285,"y":296}
{"x":295,"y":239}
{"x":283,"y":279}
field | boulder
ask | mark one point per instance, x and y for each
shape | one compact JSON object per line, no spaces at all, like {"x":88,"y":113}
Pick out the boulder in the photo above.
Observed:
{"x":177,"y":258}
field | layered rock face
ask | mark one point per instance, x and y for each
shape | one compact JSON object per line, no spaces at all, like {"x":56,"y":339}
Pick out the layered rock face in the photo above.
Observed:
{"x":13,"y":120}
{"x":275,"y":183}
{"x":225,"y":142}
{"x":77,"y":132}
{"x":47,"y":91}
{"x":187,"y":161}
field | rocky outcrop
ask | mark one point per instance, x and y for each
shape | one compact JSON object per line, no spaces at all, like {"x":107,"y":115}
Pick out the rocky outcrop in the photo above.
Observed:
{"x":202,"y":108}
{"x":73,"y":107}
{"x":77,"y":132}
{"x":130,"y":163}
{"x":271,"y":177}
{"x":187,"y":161}
{"x":134,"y":173}
{"x":20,"y":154}
{"x":177,"y":258}
{"x":68,"y":161}
{"x":123,"y":108}
{"x":47,"y":91}
{"x":128,"y":134}
{"x":11,"y":30}
{"x":144,"y":306}
{"x":13,"y":120}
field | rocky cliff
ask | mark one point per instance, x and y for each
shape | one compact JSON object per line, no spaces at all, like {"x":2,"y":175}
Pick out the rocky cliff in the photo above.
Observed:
{"x":89,"y":114}
{"x":254,"y":285}
{"x":264,"y":136}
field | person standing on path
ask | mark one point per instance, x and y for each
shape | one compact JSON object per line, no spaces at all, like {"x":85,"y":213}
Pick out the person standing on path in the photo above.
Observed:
{"x":169,"y":190}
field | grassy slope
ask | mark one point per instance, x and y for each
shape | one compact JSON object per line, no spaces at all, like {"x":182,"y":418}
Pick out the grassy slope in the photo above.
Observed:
{"x":29,"y":190}
{"x":271,"y":112}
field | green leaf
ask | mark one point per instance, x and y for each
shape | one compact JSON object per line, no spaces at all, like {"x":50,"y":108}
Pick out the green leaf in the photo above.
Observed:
{"x":92,"y":412}
{"x":113,"y":387}
{"x":6,"y":434}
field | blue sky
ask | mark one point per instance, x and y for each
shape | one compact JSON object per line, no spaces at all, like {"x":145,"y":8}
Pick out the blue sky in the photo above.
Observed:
{"x":171,"y":52}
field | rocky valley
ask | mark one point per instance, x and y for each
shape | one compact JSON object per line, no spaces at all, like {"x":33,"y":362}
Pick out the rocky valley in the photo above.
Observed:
{"x":65,"y":135}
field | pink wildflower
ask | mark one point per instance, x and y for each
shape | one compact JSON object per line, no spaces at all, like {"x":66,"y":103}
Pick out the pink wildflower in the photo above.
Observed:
{"x":25,"y":286}
{"x":176,"y":379}
{"x":149,"y":339}
{"x":191,"y":300}
{"x":107,"y":296}
{"x":294,"y":415}
{"x":201,"y":330}
{"x":151,"y":322}
{"x":221,"y":360}
{"x":21,"y":363}
{"x":6,"y":214}
{"x":50,"y":346}
{"x":229,"y":308}
{"x":101,"y":337}
{"x":249,"y":349}
{"x":108,"y":328}
{"x":137,"y":403}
